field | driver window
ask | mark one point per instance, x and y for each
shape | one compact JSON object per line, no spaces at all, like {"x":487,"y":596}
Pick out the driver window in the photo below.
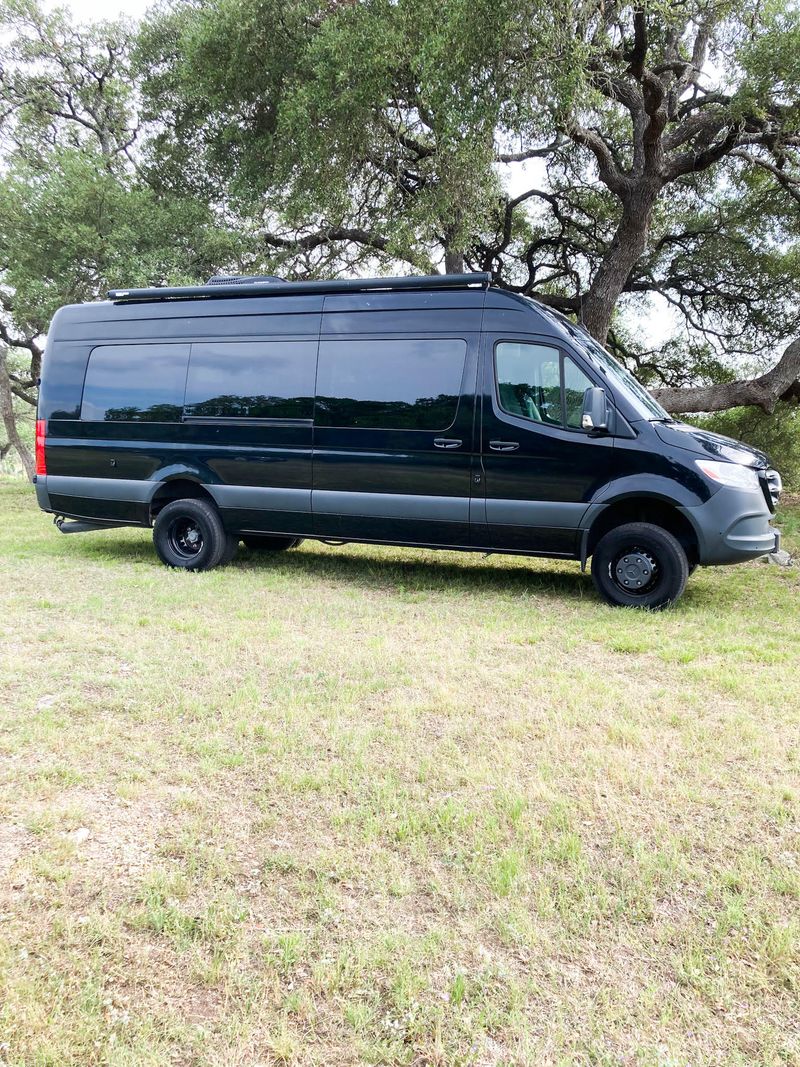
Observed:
{"x":529,"y":381}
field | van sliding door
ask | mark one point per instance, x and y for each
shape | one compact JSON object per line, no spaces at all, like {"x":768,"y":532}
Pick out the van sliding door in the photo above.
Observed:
{"x":393,"y":437}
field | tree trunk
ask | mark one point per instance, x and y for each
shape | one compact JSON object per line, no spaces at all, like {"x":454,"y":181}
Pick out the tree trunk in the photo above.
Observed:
{"x":627,"y":245}
{"x":453,"y":261}
{"x":780,"y":383}
{"x":9,"y":419}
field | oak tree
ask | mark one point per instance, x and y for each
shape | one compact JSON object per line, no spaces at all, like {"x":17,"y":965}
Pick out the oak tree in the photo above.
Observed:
{"x":659,"y":141}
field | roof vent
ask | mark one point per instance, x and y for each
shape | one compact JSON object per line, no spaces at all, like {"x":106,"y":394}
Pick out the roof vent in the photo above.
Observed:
{"x":242,"y":279}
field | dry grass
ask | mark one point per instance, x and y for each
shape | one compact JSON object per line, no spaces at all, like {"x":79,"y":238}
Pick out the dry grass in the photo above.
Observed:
{"x":367,"y":805}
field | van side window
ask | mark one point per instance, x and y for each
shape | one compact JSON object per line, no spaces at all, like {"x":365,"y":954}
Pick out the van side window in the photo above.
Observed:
{"x":529,"y":381}
{"x":251,"y":380}
{"x":404,"y":384}
{"x":135,"y":383}
{"x":536,"y":382}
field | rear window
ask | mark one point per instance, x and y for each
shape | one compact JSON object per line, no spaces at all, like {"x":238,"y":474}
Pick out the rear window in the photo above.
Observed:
{"x":135,"y":383}
{"x":251,"y":380}
{"x":406,"y":384}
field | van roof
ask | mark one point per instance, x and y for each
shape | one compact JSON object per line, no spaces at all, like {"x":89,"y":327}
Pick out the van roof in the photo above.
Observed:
{"x":239,"y":287}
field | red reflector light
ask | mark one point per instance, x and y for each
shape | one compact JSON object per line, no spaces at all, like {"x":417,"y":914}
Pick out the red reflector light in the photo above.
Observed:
{"x":41,"y":464}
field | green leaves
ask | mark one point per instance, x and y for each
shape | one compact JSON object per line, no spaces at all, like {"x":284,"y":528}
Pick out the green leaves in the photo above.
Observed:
{"x":76,"y":230}
{"x":384,"y":112}
{"x":77,"y":213}
{"x":324,"y":137}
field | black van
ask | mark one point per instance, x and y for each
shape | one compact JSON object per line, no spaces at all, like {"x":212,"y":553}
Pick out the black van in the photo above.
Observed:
{"x":427,"y":411}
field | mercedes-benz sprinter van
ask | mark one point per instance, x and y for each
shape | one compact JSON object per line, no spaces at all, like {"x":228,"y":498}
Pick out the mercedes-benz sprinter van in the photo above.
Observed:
{"x":425,"y":411}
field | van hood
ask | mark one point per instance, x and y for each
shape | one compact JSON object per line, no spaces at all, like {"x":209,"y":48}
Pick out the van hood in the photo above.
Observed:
{"x":705,"y":443}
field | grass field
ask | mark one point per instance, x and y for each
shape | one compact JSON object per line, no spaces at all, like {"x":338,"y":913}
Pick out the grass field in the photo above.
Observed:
{"x":367,"y":805}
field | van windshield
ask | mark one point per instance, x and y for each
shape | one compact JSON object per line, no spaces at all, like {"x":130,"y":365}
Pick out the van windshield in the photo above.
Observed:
{"x":646,"y":405}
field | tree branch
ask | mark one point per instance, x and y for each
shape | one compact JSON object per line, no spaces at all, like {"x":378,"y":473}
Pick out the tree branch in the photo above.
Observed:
{"x":10,"y":421}
{"x":530,"y":153}
{"x":780,"y":383}
{"x":358,"y":236}
{"x":611,"y":176}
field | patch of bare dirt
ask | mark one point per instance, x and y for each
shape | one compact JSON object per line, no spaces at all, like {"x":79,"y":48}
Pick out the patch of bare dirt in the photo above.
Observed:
{"x":14,"y":841}
{"x":122,"y":834}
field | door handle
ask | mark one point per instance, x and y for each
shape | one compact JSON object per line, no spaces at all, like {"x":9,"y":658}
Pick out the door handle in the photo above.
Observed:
{"x":504,"y":446}
{"x":447,"y":442}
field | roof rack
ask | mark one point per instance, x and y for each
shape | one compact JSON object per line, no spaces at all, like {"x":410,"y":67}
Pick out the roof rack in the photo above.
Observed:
{"x":242,"y":279}
{"x":262,"y":287}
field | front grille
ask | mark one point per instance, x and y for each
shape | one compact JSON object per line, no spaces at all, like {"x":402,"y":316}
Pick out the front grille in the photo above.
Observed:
{"x":772,"y":485}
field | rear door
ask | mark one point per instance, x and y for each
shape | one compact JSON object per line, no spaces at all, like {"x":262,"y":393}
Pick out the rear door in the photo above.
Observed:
{"x":539,"y":468}
{"x":393,"y":436}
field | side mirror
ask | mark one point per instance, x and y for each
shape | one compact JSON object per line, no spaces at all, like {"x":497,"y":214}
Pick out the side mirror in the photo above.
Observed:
{"x":595,"y":410}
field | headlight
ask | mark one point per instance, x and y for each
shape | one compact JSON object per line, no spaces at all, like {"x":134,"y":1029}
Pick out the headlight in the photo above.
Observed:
{"x":729,"y":474}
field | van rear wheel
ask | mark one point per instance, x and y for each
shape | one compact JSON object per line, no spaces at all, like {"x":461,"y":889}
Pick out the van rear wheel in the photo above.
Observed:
{"x":639,"y":565}
{"x":188,"y":534}
{"x":271,"y":542}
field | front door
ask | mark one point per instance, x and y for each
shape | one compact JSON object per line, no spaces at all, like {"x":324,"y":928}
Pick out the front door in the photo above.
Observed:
{"x":539,"y":468}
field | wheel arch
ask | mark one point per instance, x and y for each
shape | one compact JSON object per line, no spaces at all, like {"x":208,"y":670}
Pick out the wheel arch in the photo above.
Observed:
{"x":179,"y":487}
{"x":640,"y":507}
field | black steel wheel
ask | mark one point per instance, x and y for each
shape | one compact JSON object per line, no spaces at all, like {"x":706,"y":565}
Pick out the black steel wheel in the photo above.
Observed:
{"x":270,"y":542}
{"x":639,"y":565}
{"x":188,"y":534}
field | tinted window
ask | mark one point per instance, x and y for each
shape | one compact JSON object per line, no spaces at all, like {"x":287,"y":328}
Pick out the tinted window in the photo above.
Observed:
{"x":390,"y":384}
{"x":536,"y":382}
{"x":253,"y":380}
{"x":619,"y":375}
{"x":646,"y":404}
{"x":135,"y":383}
{"x":529,"y":381}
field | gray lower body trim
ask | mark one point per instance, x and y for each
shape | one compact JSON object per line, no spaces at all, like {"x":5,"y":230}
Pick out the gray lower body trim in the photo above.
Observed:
{"x":259,"y":498}
{"x":141,"y":492}
{"x":100,"y":488}
{"x":391,"y":505}
{"x":564,"y":515}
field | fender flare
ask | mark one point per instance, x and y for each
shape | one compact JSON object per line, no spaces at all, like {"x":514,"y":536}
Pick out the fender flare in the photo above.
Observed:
{"x":639,"y":487}
{"x":201,"y":475}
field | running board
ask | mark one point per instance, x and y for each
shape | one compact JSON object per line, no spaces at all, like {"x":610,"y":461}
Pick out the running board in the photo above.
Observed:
{"x":70,"y":526}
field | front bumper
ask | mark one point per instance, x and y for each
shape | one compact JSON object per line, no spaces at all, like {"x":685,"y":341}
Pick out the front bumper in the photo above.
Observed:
{"x":733,"y":526}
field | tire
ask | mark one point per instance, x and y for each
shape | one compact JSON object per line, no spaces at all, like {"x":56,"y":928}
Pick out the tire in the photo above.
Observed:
{"x":188,"y":534}
{"x":271,"y":542}
{"x":231,"y":549}
{"x":655,"y":573}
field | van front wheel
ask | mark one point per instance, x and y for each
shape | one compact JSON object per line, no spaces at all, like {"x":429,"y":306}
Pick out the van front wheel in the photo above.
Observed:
{"x":639,"y":565}
{"x":189,"y":534}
